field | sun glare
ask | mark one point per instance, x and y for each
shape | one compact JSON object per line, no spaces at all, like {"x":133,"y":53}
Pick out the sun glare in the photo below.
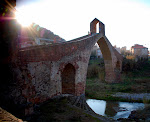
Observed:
{"x":23,"y":18}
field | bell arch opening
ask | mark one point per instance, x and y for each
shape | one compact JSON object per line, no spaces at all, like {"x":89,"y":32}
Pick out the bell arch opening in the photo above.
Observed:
{"x":97,"y":28}
{"x":68,"y":79}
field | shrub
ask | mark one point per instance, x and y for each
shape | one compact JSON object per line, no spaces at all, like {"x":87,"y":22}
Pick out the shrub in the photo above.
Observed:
{"x":101,"y":73}
{"x":92,"y":71}
{"x":131,"y":64}
{"x":131,"y":57}
{"x":95,"y":71}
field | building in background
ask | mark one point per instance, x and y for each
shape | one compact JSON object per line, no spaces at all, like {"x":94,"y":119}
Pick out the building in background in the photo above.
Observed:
{"x":99,"y":53}
{"x":139,"y":51}
{"x":123,"y":50}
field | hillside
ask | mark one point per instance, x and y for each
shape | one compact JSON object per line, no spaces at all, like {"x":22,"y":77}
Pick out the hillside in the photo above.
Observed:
{"x":35,"y":30}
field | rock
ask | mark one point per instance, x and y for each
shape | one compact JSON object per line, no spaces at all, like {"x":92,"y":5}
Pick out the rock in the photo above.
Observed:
{"x":7,"y":117}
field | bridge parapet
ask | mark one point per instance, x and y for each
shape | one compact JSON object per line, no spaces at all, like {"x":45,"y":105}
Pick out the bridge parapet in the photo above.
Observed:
{"x":55,"y":51}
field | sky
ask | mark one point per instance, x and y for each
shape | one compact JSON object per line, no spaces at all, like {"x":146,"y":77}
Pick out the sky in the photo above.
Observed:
{"x":127,"y":22}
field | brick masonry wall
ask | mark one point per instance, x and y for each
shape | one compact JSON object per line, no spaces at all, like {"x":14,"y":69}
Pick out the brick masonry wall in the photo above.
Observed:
{"x":44,"y":66}
{"x":38,"y":70}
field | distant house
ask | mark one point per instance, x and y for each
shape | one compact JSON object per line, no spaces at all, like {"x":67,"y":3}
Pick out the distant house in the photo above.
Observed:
{"x":123,"y":49}
{"x":43,"y":41}
{"x":139,"y":51}
{"x":99,"y":53}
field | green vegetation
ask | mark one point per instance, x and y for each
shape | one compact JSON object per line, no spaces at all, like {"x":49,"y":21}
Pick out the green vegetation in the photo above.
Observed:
{"x":96,"y":69}
{"x":135,"y":79}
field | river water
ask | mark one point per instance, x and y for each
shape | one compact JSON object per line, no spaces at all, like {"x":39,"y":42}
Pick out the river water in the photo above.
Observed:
{"x":113,"y":110}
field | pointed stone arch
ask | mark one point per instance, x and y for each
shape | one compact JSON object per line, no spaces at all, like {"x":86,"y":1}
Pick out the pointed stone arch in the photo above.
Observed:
{"x":112,"y":58}
{"x":68,"y":79}
{"x":107,"y":55}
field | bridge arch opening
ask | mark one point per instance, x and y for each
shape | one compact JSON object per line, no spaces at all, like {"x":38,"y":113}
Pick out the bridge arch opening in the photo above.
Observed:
{"x":106,"y":53}
{"x":68,"y":79}
{"x":102,"y":67}
{"x":104,"y":49}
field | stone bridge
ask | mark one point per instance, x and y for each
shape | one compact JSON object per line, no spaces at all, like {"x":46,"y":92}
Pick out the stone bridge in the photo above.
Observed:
{"x":37,"y":73}
{"x":45,"y":71}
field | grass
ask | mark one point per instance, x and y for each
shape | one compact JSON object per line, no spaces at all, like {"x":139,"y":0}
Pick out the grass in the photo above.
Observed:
{"x":102,"y":90}
{"x":135,"y":81}
{"x":98,"y":61}
{"x":96,"y":69}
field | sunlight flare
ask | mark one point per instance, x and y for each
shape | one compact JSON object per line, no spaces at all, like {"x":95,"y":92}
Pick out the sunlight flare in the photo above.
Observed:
{"x":24,"y":18}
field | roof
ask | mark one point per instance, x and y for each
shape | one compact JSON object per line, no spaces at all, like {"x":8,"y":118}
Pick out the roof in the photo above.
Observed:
{"x":137,"y":46}
{"x":95,"y":20}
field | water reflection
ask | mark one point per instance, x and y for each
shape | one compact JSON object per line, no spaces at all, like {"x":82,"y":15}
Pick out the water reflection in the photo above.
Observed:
{"x":114,"y":110}
{"x":111,"y":108}
{"x":97,"y":105}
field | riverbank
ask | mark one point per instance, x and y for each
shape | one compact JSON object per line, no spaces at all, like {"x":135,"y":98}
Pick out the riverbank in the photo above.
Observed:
{"x":119,"y":110}
{"x":64,"y":108}
{"x":135,"y":78}
{"x":144,"y":97}
{"x":140,"y":115}
{"x":135,"y":86}
{"x":128,"y":91}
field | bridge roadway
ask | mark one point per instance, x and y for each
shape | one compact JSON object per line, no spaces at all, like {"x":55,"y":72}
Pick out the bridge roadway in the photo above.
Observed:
{"x":55,"y":51}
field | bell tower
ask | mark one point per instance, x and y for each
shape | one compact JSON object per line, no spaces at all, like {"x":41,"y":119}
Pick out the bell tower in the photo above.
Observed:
{"x":93,"y":26}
